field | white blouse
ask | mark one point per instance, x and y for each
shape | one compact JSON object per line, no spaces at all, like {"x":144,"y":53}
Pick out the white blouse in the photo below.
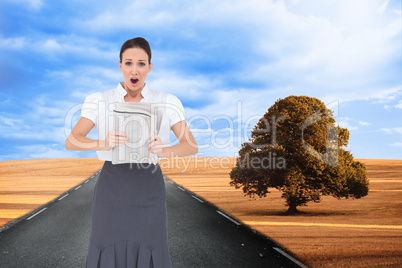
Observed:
{"x":98,"y":107}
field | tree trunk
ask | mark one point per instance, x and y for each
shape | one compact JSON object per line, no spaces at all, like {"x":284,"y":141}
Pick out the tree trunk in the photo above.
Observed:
{"x":292,"y":208}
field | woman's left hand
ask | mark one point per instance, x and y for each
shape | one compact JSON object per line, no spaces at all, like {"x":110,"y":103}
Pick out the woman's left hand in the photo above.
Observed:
{"x":155,"y":145}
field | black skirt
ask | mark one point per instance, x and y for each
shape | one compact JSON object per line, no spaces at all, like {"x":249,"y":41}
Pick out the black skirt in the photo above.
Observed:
{"x":129,"y":225}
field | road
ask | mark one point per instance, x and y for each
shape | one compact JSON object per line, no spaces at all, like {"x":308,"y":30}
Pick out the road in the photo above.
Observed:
{"x":200,"y":235}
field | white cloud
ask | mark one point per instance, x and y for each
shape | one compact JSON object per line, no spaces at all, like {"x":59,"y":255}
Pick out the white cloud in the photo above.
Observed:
{"x":333,"y":50}
{"x":44,"y":121}
{"x":344,"y":123}
{"x":399,"y":105}
{"x":240,"y":104}
{"x":74,"y":45}
{"x":34,"y":4}
{"x":363,"y":123}
{"x":40,"y":151}
{"x":383,"y":7}
{"x":58,"y":46}
{"x":52,"y":153}
{"x":334,"y":54}
{"x":51,"y":45}
{"x":87,"y":79}
{"x":80,"y":94}
{"x":12,"y":43}
{"x":386,"y":95}
{"x":397,"y":144}
{"x":397,"y":130}
{"x":329,"y":49}
{"x":9,"y":122}
{"x":35,"y":133}
{"x":133,"y":16}
{"x":193,"y":88}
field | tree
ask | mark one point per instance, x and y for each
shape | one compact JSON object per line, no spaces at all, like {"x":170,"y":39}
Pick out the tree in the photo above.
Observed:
{"x":297,"y":148}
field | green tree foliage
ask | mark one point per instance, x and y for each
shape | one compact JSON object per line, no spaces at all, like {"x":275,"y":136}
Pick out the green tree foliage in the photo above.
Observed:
{"x":297,"y":148}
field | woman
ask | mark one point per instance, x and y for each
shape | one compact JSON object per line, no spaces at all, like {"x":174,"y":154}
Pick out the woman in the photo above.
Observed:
{"x":129,"y":225}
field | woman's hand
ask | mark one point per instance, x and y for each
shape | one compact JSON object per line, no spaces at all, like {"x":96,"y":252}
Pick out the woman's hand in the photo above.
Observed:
{"x":155,"y":145}
{"x":115,"y":138}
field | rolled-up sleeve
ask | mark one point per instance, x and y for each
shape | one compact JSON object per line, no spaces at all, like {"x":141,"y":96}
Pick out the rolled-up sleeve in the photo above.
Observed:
{"x":90,"y":108}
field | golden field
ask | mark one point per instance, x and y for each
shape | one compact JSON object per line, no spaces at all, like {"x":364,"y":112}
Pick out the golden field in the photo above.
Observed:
{"x":365,"y":232}
{"x":28,"y":184}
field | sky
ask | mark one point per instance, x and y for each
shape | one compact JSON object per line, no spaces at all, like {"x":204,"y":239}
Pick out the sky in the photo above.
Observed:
{"x":227,"y":61}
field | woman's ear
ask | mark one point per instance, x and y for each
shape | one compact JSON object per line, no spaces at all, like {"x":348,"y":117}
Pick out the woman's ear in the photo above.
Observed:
{"x":120,"y":66}
{"x":150,"y":67}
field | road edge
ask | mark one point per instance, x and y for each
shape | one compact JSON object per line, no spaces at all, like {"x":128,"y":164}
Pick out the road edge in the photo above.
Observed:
{"x":44,"y":206}
{"x":285,"y":252}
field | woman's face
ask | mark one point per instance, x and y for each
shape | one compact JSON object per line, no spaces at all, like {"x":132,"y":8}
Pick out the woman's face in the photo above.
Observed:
{"x":135,"y":67}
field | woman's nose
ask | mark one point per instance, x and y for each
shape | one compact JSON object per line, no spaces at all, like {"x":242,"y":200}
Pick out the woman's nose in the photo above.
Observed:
{"x":134,"y":70}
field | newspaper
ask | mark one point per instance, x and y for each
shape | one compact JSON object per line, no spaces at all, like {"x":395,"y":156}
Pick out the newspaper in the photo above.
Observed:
{"x":139,"y":121}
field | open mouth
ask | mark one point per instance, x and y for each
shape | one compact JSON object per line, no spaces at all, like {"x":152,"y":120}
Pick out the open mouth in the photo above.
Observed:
{"x":134,"y":80}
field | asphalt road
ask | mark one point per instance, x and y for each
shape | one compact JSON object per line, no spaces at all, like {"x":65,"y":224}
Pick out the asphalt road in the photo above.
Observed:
{"x":200,"y":235}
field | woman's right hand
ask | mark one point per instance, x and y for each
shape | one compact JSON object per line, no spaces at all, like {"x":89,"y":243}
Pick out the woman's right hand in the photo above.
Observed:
{"x":115,"y":138}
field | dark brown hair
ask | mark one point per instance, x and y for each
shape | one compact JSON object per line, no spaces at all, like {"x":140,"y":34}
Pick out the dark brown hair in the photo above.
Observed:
{"x":137,"y":42}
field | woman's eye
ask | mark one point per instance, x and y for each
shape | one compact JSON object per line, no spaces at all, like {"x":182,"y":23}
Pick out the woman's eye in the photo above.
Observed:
{"x":142,"y":64}
{"x":128,"y":63}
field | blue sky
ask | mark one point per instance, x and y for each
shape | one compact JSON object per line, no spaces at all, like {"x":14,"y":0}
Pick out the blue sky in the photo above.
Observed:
{"x":228,"y":61}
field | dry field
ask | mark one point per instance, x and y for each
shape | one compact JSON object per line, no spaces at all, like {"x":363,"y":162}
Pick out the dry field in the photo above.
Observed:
{"x":334,"y":233}
{"x":28,"y":184}
{"x":363,"y":232}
